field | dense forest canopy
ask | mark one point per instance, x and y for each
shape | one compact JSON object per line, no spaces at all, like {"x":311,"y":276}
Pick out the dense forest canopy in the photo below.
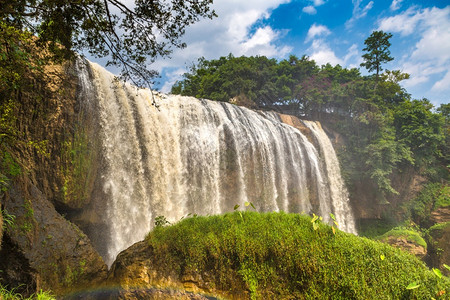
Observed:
{"x":385,"y":129}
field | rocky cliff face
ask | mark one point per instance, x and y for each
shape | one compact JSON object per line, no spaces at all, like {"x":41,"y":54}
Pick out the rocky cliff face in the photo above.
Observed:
{"x":42,"y":249}
{"x":441,"y":215}
{"x":52,"y":253}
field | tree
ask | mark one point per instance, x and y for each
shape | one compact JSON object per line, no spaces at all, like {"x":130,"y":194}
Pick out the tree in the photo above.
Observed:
{"x":131,"y":36}
{"x":421,"y":130}
{"x":377,"y":47}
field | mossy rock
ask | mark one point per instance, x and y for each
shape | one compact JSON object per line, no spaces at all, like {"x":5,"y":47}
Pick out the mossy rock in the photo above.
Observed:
{"x":405,"y":239}
{"x":246,"y":255}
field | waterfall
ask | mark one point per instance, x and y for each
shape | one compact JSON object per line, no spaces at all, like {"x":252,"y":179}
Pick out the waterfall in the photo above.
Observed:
{"x":190,"y":156}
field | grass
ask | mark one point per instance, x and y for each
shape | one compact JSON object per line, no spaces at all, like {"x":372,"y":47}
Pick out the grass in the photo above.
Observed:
{"x":281,"y":256}
{"x":6,"y":294}
{"x":438,"y":227}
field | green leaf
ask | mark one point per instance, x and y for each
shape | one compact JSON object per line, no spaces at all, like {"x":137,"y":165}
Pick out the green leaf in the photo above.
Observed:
{"x":236,"y":206}
{"x":412,"y":286}
{"x":315,"y":225}
{"x":314,"y":219}
{"x":333,"y":217}
{"x":447,"y":267}
{"x":382,"y":257}
{"x":437,"y":272}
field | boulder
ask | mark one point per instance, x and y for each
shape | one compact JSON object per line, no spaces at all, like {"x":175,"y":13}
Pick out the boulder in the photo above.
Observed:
{"x":138,"y":274}
{"x":408,"y":245}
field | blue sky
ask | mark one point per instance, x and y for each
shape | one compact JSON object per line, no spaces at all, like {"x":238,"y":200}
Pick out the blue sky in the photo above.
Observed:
{"x":328,"y":31}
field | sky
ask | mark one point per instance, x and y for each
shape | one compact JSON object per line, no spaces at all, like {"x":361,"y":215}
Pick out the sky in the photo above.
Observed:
{"x":328,"y":31}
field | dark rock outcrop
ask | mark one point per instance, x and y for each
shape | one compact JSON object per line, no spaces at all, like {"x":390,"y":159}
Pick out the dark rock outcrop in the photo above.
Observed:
{"x":57,"y":158}
{"x":50,"y":252}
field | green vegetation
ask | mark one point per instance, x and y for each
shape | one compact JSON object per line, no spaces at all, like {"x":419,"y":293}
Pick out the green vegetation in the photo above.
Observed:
{"x":407,"y":233}
{"x":377,"y":47}
{"x":432,"y":197}
{"x":78,"y":158}
{"x":438,"y":227}
{"x":7,"y":219}
{"x":6,"y":294}
{"x":279,"y":255}
{"x":8,"y":170}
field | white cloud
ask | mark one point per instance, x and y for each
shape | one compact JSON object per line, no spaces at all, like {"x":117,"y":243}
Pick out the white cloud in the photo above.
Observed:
{"x":315,"y":31}
{"x":430,"y":55}
{"x":395,"y":4}
{"x":318,"y":2}
{"x":322,"y":54}
{"x":311,"y":10}
{"x":351,"y":53}
{"x":172,"y":77}
{"x":232,"y":31}
{"x":261,"y":43}
{"x":358,"y":12}
{"x":443,"y":84}
{"x":404,"y":23}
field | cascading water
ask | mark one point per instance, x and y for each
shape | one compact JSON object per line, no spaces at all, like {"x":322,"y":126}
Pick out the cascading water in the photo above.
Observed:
{"x":204,"y":157}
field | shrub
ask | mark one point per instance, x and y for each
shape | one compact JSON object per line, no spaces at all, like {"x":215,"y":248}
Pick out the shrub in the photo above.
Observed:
{"x":432,"y":197}
{"x":281,"y":256}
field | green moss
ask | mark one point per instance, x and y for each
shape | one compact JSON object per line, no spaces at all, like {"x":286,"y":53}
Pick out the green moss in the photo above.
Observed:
{"x":438,"y":227}
{"x":77,"y":159}
{"x":408,"y":234}
{"x":280,"y":256}
{"x":443,"y":197}
{"x":436,"y":232}
{"x":27,"y":221}
{"x":9,"y":169}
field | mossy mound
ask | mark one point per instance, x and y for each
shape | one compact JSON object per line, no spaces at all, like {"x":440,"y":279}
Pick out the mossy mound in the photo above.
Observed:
{"x":281,"y":256}
{"x":408,"y":234}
